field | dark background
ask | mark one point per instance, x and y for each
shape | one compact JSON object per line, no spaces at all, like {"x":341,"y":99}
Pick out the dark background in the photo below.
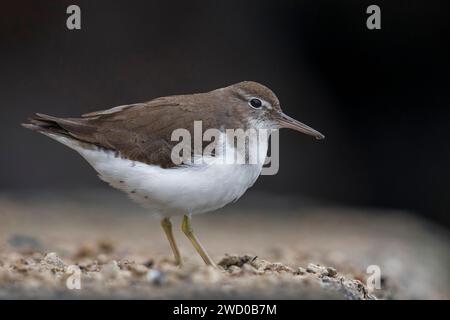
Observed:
{"x":380,"y":96}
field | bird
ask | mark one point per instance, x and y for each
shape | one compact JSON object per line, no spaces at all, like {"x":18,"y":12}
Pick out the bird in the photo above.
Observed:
{"x":131,"y":147}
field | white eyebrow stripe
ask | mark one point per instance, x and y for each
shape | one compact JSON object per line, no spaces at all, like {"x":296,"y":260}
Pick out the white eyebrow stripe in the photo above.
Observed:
{"x":267,"y":104}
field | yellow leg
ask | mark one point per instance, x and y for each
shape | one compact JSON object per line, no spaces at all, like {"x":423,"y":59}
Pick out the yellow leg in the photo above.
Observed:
{"x":167,"y":226}
{"x":187,"y":229}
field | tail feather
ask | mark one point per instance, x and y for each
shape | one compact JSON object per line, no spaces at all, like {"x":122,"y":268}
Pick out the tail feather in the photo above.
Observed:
{"x":45,"y":125}
{"x":76,"y":128}
{"x":69,"y":131}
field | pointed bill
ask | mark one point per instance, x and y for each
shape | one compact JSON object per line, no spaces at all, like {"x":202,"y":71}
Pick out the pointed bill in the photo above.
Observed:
{"x":285,"y":121}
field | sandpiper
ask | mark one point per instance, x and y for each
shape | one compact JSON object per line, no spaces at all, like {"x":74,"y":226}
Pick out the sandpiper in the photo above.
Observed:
{"x":131,"y":146}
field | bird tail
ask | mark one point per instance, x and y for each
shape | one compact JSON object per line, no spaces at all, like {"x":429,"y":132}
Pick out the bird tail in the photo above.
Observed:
{"x":69,"y":131}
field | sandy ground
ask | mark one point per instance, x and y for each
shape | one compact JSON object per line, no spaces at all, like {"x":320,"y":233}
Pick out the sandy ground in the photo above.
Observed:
{"x":271,"y":248}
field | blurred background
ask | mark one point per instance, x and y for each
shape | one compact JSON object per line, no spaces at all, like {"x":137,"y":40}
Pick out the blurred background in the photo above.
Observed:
{"x":381,"y":97}
{"x":375,"y":191}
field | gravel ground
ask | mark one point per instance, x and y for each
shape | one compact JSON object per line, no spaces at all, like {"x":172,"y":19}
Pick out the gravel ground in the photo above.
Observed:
{"x":263,"y":251}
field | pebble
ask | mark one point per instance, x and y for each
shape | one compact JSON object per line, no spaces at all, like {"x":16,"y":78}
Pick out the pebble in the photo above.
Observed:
{"x":313,"y":268}
{"x":156,"y":277}
{"x":138,"y":269}
{"x":331,"y":272}
{"x":300,"y":271}
{"x":52,"y":259}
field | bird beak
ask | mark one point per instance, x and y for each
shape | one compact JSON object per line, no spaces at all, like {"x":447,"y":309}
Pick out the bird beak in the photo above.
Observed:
{"x":285,"y":121}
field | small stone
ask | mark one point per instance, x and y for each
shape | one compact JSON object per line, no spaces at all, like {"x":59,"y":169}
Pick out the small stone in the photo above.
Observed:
{"x":248,"y":269}
{"x":234,"y":269}
{"x":280,"y":267}
{"x":138,"y":269}
{"x":51,"y":259}
{"x":313,"y":268}
{"x":149,"y":263}
{"x":326,"y":279}
{"x":261,"y":264}
{"x":235,"y":260}
{"x":331,"y":272}
{"x":300,"y":271}
{"x":156,"y":277}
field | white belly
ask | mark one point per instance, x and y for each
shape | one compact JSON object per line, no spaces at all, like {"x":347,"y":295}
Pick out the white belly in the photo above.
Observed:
{"x":174,"y":191}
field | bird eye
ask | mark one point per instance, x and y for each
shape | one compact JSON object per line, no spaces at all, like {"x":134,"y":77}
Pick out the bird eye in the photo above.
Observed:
{"x":255,"y":103}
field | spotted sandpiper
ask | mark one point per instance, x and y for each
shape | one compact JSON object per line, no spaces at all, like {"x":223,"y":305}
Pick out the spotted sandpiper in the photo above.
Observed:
{"x":130,"y":147}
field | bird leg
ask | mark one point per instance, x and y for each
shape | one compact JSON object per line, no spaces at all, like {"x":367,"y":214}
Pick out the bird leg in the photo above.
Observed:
{"x":186,"y":227}
{"x":167,"y":227}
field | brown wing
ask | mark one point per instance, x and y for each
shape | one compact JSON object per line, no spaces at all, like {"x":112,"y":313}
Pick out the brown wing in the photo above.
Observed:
{"x":140,"y":132}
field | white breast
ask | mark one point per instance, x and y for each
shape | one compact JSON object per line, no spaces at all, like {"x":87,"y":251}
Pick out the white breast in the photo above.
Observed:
{"x":175,"y":191}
